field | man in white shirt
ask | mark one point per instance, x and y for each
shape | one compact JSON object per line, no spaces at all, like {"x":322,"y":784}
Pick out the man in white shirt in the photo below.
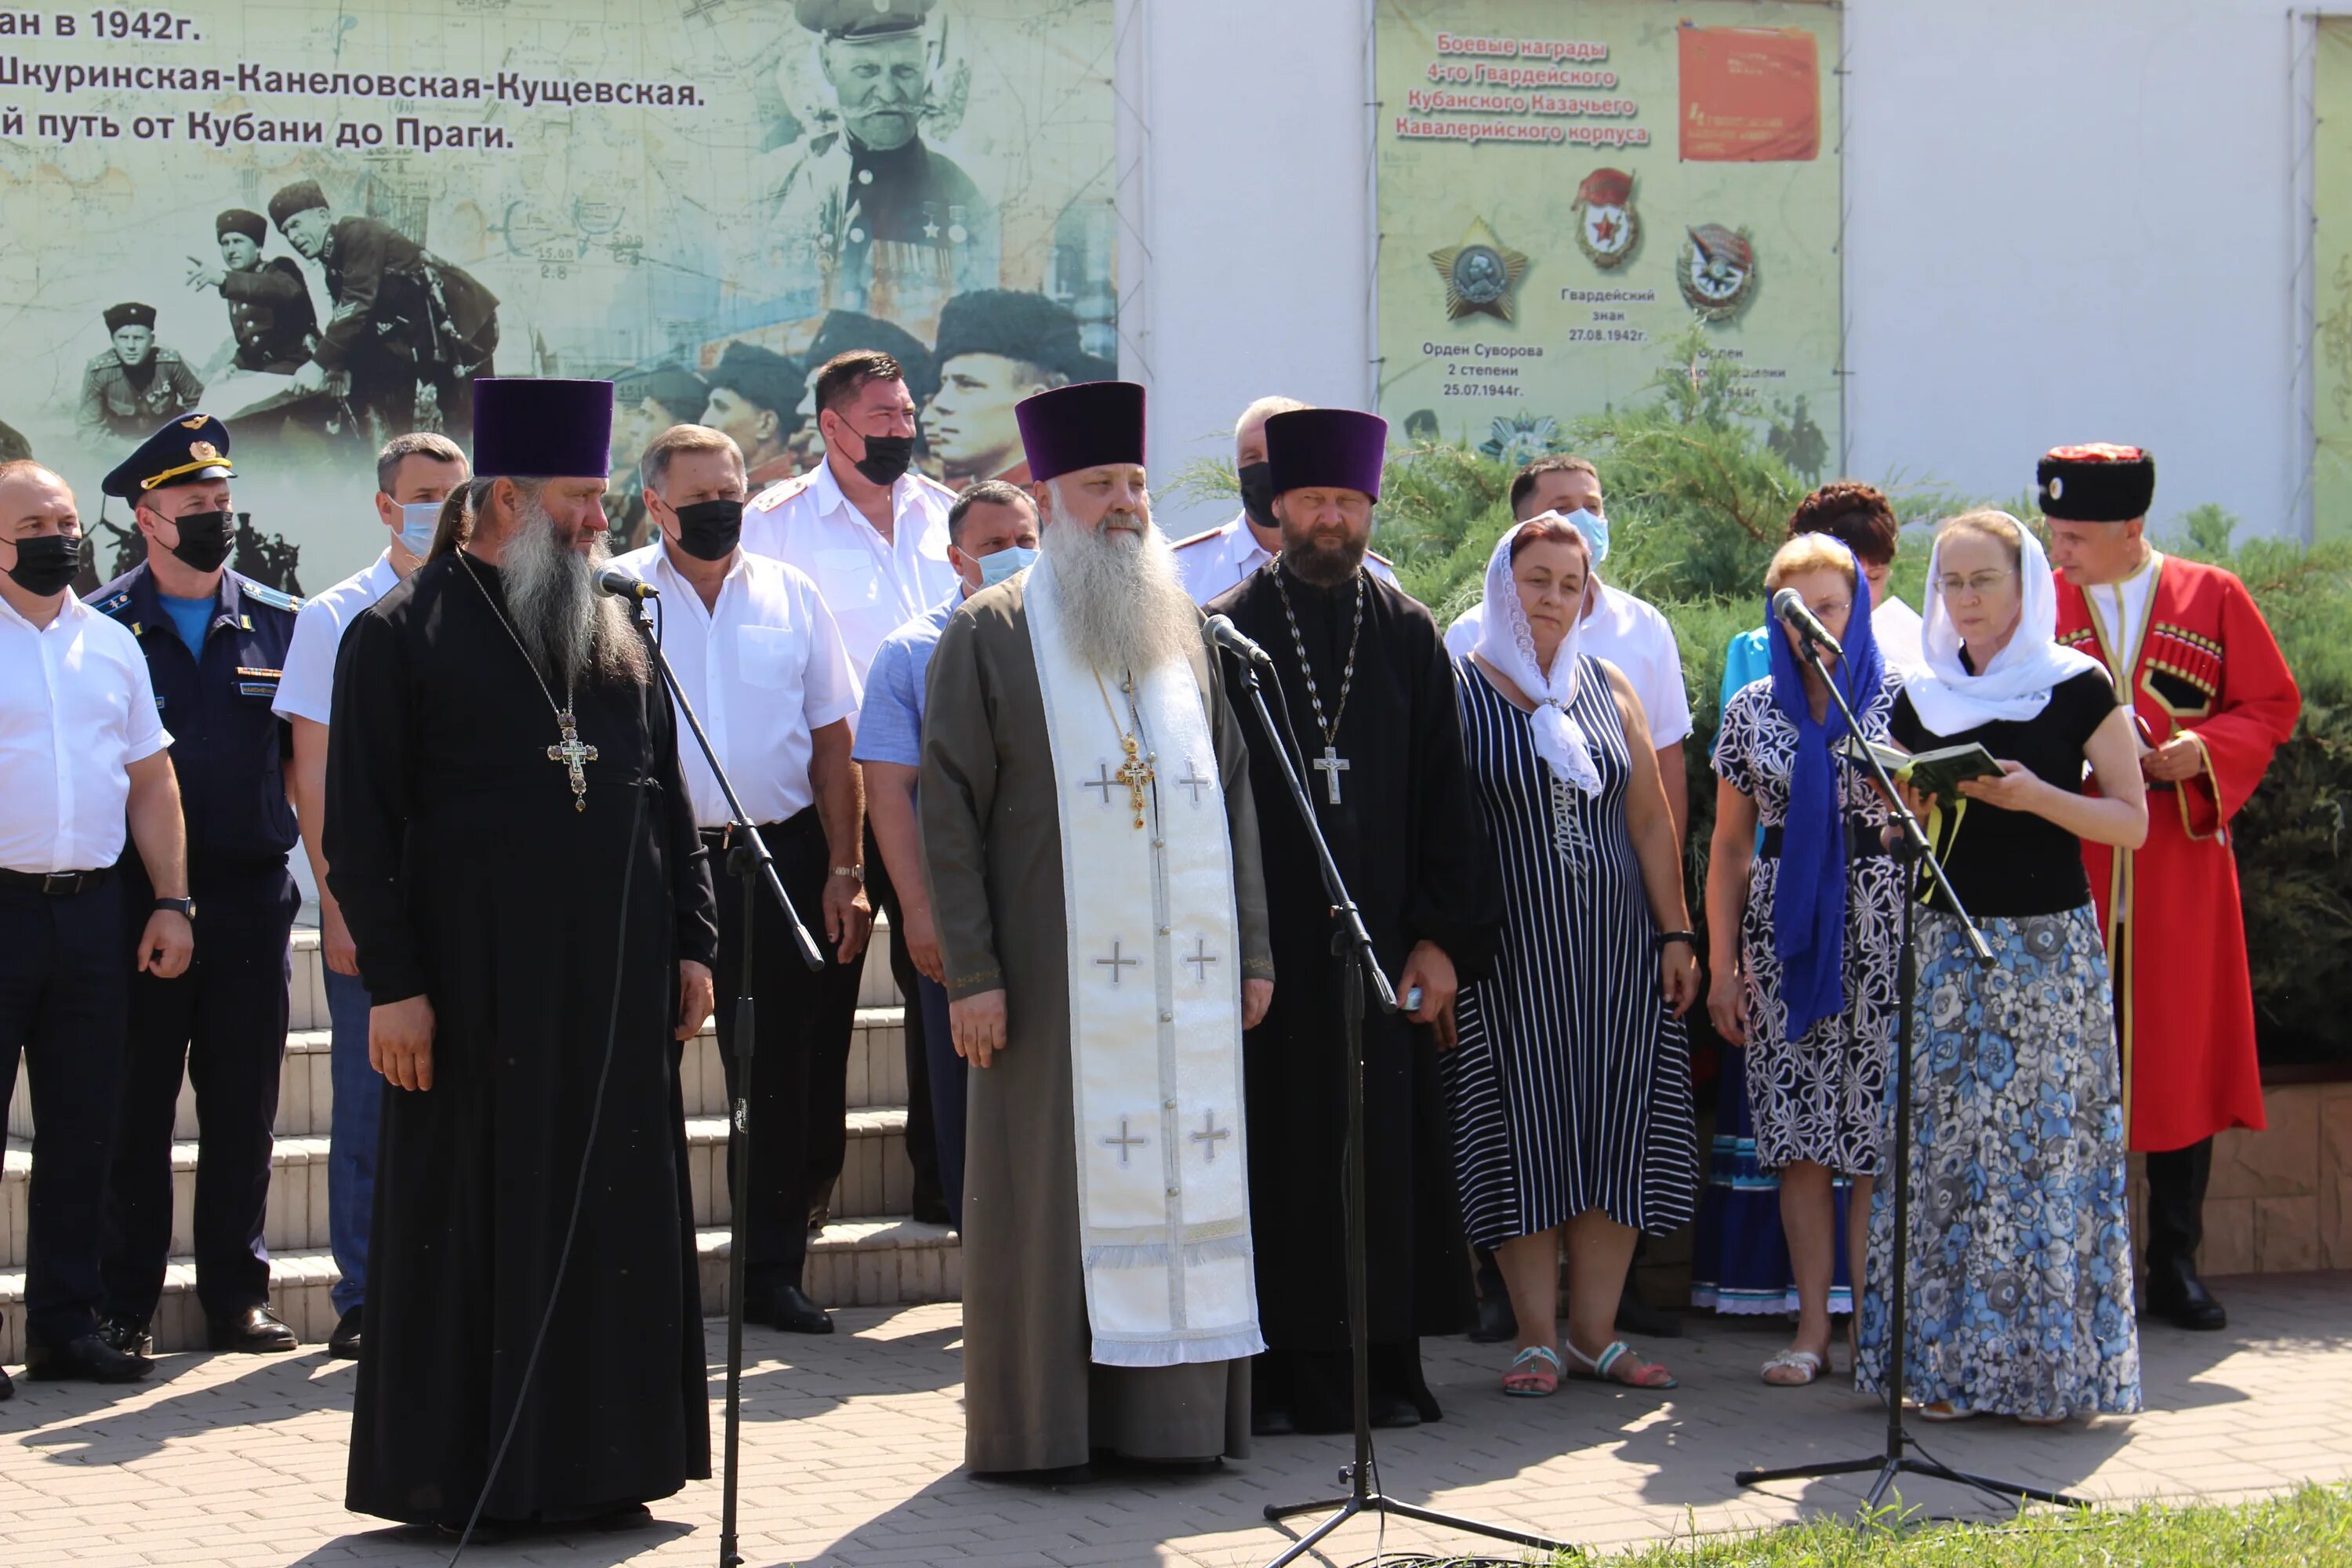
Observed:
{"x":83,"y":754}
{"x":868,"y":530}
{"x":1624,"y":630}
{"x":760,"y":658}
{"x":413,"y":475}
{"x":1219,"y":558}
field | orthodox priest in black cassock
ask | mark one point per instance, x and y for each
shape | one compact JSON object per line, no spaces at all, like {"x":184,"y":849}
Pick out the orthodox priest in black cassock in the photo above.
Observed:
{"x":1374,"y":709}
{"x":510,"y":842}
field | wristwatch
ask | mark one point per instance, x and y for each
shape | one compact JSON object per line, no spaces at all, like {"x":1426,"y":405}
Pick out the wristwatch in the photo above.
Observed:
{"x":184,"y":908}
{"x":855,"y":873}
{"x":1666,"y":939}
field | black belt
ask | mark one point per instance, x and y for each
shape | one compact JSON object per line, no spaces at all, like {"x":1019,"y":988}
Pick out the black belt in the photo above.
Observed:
{"x":715,"y":838}
{"x":1862,"y":842}
{"x":56,"y":884}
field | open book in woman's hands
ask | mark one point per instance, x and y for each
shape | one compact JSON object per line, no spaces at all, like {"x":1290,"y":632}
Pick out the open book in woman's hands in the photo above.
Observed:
{"x":1936,"y":773}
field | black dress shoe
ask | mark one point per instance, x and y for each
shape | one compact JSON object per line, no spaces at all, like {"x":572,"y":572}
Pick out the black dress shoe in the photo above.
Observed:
{"x":7,"y":1385}
{"x":86,"y":1359}
{"x":788,"y":1307}
{"x":1393,"y":1411}
{"x":343,"y":1344}
{"x":934,"y":1211}
{"x":2176,"y":1295}
{"x":256,"y":1331}
{"x":1496,"y":1321}
{"x":1274,"y":1421}
{"x":124,"y":1332}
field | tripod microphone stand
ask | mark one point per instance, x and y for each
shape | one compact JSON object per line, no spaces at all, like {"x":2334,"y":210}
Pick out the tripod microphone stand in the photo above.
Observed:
{"x":749,"y":861}
{"x":1361,"y":968}
{"x":1895,"y":1457}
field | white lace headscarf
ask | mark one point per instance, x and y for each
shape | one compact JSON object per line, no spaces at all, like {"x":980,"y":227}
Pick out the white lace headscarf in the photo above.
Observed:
{"x":2016,"y":684}
{"x":1505,"y":642}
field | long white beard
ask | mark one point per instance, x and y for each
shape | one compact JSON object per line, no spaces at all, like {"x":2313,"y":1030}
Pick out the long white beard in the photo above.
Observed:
{"x":1121,"y":598}
{"x":568,"y":627}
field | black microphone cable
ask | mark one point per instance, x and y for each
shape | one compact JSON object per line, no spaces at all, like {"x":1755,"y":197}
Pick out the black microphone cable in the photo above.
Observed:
{"x":587,"y":1157}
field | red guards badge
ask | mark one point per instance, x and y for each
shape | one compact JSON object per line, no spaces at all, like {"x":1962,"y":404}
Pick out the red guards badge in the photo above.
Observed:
{"x":1608,"y":227}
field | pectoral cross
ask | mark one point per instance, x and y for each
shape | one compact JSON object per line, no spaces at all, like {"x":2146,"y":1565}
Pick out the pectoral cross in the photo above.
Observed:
{"x":1331,"y":764}
{"x":1135,"y":773}
{"x":571,"y":753}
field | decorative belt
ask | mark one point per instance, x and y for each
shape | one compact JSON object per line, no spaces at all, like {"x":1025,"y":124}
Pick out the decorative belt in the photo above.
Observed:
{"x":56,"y":884}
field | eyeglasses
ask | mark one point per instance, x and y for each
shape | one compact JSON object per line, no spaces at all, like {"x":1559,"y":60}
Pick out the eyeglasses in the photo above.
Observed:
{"x":1978,"y":584}
{"x":1831,"y":608}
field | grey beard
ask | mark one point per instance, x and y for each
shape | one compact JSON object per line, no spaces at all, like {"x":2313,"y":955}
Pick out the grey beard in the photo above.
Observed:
{"x":1121,"y":597}
{"x":566,"y":627}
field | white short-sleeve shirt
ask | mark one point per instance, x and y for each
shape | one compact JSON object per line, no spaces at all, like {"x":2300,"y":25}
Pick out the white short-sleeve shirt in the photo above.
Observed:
{"x":77,"y":709}
{"x":1222,"y":557}
{"x":1634,"y":635}
{"x":872,"y":585}
{"x":307,"y":690}
{"x":765,"y":669}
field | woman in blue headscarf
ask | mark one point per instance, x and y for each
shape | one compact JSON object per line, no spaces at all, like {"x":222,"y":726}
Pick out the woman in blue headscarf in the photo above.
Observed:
{"x":1804,"y":923}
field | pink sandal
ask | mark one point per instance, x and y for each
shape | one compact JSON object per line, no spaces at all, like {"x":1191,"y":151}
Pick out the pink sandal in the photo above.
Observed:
{"x":1592,"y":1370}
{"x":1530,"y":1376}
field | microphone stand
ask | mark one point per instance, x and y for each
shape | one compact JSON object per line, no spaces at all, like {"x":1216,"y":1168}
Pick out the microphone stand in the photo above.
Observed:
{"x":1895,"y":1459}
{"x":1361,"y":968}
{"x":749,"y":861}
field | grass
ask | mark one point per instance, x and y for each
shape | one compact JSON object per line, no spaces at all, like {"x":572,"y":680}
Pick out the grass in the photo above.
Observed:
{"x":2307,"y":1528}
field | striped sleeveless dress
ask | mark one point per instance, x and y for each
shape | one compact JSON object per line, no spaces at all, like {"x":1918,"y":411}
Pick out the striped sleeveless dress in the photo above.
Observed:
{"x":1569,"y":1087}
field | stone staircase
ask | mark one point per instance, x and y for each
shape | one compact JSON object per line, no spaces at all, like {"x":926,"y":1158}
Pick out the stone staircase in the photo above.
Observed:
{"x":871,"y":1254}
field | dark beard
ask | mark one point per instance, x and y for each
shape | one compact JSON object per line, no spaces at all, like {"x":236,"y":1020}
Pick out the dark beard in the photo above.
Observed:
{"x":1322,"y":565}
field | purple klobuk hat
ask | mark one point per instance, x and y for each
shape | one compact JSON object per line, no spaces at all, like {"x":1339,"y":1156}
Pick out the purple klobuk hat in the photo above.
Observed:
{"x":1083,"y":425}
{"x":1334,"y":448}
{"x":540,"y":428}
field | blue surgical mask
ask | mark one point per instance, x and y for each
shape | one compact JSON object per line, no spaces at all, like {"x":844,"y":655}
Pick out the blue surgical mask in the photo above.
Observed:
{"x":1595,"y":529}
{"x":419,"y":521}
{"x":996,"y":568}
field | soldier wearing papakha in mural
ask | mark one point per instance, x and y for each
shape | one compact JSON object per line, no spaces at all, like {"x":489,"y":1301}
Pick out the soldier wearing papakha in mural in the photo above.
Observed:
{"x":135,"y":385}
{"x":892,"y":226}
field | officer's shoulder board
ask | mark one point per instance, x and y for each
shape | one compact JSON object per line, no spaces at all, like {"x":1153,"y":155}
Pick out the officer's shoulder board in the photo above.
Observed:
{"x":263,"y":593}
{"x":1376,"y":555}
{"x":116,"y":604}
{"x":103,"y":358}
{"x":1203,"y":537}
{"x":779,"y":492}
{"x":945,"y":492}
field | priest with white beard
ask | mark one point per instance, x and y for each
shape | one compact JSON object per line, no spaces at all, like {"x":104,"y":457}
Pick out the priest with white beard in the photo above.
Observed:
{"x":1093,"y":855}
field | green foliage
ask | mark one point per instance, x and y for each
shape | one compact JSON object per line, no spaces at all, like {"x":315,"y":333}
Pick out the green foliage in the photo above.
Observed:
{"x":2307,"y":1528}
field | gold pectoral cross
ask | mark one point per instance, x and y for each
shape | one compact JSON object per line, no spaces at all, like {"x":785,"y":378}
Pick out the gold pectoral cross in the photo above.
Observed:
{"x":1135,"y":773}
{"x":571,"y":753}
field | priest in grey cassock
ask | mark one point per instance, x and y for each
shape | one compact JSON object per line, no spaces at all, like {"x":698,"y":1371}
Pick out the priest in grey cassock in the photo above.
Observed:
{"x":1093,"y":858}
{"x":1371,"y":699}
{"x":513,"y":848}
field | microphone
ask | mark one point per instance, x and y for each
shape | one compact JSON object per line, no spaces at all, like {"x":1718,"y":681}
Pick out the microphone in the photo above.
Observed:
{"x":621,"y":586}
{"x":1788,"y":607}
{"x":1219,"y":631}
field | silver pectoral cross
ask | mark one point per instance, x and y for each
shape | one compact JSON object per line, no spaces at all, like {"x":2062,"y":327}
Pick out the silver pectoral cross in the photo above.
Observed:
{"x":571,"y":753}
{"x":1331,"y":764}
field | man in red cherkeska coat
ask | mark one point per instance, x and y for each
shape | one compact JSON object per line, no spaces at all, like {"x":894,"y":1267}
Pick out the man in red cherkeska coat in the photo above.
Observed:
{"x":2212,"y":697}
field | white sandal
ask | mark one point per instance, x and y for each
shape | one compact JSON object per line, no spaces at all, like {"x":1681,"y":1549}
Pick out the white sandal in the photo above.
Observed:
{"x":1804,"y":1362}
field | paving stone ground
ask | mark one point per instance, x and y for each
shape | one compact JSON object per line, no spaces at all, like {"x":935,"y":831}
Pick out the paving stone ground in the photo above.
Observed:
{"x":852,"y":1444}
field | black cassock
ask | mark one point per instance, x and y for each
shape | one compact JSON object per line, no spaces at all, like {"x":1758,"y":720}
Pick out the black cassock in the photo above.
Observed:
{"x":1407,"y":837}
{"x":469,"y":878}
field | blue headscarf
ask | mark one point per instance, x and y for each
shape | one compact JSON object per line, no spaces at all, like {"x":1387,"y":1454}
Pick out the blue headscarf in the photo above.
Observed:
{"x":1809,"y":898}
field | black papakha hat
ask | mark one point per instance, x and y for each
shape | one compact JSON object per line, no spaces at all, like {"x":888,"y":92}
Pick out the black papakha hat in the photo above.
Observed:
{"x":236,"y":220}
{"x":2095,"y":483}
{"x":298,"y":197}
{"x":130,"y":313}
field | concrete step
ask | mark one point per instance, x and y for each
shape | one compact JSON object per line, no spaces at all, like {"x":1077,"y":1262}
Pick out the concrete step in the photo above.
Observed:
{"x":876,"y":1181}
{"x":877,"y":1077}
{"x":861,"y":1263}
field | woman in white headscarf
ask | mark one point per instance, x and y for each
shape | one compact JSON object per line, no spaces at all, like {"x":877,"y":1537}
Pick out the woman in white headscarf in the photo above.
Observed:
{"x":1569,"y":1085}
{"x":2019,"y":1285}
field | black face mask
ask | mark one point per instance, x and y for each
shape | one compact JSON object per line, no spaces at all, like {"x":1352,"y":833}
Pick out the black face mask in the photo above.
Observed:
{"x":708,"y":530}
{"x":47,"y":565}
{"x":887,"y":456}
{"x":1257,"y":492}
{"x":205,"y":539}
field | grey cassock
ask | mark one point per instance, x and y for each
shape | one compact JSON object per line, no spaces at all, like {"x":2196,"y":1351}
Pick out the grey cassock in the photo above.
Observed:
{"x":1033,"y":1399}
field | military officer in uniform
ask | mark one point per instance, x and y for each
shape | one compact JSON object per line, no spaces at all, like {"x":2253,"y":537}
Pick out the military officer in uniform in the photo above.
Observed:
{"x":135,"y":384}
{"x":269,"y":301}
{"x":891,"y":227}
{"x":410,"y":329}
{"x":215,"y":644}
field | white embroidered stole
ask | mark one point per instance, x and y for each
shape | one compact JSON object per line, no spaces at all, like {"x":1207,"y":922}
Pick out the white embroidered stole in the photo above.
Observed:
{"x":1155,"y":1012}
